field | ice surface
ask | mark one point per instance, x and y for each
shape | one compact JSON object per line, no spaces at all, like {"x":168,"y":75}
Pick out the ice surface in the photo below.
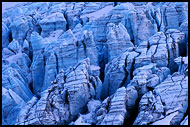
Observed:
{"x":93,"y":63}
{"x":98,"y":14}
{"x":166,"y":120}
{"x":8,"y":5}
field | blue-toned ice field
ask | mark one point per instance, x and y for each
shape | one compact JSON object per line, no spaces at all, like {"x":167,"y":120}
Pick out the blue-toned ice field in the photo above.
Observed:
{"x":95,"y":63}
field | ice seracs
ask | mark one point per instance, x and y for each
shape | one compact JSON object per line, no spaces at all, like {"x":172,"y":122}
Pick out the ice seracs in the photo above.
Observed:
{"x":95,"y":63}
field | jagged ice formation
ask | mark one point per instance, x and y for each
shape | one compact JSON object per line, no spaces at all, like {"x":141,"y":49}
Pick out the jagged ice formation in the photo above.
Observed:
{"x":95,"y":63}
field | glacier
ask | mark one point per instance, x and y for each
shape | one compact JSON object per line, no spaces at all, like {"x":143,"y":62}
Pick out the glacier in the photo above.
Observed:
{"x":95,"y":63}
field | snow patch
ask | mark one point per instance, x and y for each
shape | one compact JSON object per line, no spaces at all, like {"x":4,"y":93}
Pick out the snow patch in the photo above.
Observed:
{"x":185,"y":121}
{"x":54,"y":35}
{"x":8,"y":5}
{"x":98,"y":14}
{"x":166,"y":120}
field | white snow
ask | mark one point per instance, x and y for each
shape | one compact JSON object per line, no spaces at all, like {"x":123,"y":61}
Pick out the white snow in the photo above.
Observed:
{"x":14,"y":57}
{"x":17,"y":98}
{"x":185,"y":121}
{"x":149,"y":4}
{"x":93,"y":67}
{"x":166,"y":120}
{"x":80,"y":121}
{"x":54,"y":35}
{"x":185,"y":59}
{"x":93,"y":104}
{"x":7,"y":5}
{"x":98,"y":14}
{"x":4,"y":91}
{"x":129,"y":5}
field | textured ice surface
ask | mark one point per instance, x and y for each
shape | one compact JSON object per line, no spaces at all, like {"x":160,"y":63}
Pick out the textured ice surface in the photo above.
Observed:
{"x":95,"y":63}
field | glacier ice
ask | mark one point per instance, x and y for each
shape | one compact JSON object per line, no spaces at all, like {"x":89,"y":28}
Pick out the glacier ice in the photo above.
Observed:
{"x":95,"y":63}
